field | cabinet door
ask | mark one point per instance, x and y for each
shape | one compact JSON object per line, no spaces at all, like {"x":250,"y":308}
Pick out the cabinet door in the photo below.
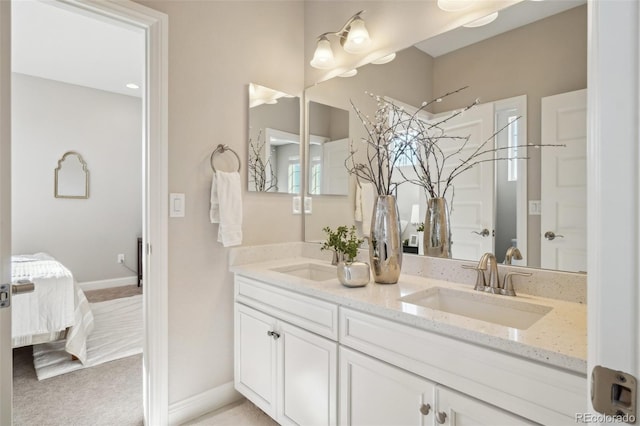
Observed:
{"x":255,"y":357}
{"x":463,"y":410}
{"x":307,"y":376}
{"x":375,"y":393}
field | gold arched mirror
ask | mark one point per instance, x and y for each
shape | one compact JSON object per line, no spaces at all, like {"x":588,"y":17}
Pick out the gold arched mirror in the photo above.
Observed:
{"x":71,"y":177}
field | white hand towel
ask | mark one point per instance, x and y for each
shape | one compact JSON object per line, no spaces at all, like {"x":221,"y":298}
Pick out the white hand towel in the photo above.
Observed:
{"x":226,"y":207}
{"x":366,"y":199}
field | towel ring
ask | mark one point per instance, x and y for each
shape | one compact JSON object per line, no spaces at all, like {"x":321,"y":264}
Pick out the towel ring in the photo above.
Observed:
{"x":221,"y":149}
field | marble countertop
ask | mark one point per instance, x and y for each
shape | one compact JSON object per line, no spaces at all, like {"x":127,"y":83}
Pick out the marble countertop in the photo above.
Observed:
{"x":559,"y":338}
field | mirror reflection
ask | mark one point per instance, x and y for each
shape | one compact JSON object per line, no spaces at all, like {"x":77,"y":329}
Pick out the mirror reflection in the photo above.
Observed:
{"x":328,"y":148}
{"x":71,"y":177}
{"x":274,"y":141}
{"x":511,"y":73}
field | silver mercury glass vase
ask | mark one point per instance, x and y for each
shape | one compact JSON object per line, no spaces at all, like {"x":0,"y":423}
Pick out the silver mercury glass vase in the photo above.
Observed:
{"x":437,"y":229}
{"x":385,"y":244}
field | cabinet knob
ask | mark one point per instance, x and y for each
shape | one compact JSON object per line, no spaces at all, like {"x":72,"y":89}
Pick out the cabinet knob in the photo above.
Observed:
{"x":441,"y":417}
{"x":425,"y":408}
{"x":273,"y":334}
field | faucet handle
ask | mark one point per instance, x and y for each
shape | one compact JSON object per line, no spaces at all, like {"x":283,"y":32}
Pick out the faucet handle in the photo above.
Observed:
{"x":481,"y":283}
{"x":507,"y":283}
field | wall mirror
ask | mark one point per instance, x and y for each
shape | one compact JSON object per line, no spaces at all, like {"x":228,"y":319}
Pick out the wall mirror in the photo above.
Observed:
{"x":274,"y":141}
{"x":510,"y":73}
{"x":71,"y":178}
{"x":328,"y":148}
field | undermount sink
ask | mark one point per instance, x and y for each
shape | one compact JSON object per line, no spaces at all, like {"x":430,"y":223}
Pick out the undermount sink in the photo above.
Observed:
{"x":309,"y":271}
{"x":502,"y":310}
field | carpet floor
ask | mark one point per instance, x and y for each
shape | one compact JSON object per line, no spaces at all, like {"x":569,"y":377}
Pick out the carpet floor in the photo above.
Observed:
{"x":240,"y":414}
{"x":104,"y":395}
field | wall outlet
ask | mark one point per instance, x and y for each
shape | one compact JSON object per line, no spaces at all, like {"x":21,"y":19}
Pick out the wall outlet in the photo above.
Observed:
{"x":121,"y":258}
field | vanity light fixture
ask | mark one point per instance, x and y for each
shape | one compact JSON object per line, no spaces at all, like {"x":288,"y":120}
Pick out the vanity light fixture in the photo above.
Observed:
{"x":385,"y":59}
{"x":482,"y":21}
{"x":132,"y":86}
{"x":454,"y":5}
{"x":354,"y":38}
{"x":349,"y":73}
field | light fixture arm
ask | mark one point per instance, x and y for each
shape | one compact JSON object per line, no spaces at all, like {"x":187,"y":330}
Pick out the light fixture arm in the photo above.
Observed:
{"x":344,"y":31}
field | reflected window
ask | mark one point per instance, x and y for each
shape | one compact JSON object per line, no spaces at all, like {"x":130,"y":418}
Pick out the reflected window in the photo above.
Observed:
{"x":315,"y":183}
{"x":512,"y":151}
{"x":293,"y":175}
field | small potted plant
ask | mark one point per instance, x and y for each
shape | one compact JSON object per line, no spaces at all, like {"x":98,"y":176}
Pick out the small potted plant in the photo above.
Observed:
{"x":345,"y":245}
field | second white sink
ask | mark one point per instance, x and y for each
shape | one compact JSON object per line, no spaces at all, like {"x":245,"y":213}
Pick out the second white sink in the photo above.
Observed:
{"x":502,"y":310}
{"x":309,"y":271}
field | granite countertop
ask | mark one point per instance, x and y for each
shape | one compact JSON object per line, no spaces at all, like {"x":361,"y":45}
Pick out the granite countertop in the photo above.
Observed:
{"x":558,"y":339}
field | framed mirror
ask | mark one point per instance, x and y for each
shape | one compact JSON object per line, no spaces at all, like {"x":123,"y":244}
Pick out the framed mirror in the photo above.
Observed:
{"x":513,"y":70}
{"x":71,"y":177}
{"x":274,"y":141}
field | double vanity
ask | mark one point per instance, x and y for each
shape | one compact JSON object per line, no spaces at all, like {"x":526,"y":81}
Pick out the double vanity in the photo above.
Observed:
{"x":427,"y":350}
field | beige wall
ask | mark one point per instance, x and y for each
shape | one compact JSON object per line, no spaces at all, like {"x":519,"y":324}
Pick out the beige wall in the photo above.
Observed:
{"x":540,"y":59}
{"x":215,"y":49}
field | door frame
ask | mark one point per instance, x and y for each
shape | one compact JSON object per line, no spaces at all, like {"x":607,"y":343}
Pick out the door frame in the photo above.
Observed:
{"x":613,"y":187}
{"x":154,"y":24}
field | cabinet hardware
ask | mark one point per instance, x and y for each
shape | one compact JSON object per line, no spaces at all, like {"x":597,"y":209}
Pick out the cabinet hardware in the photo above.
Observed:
{"x":273,"y":334}
{"x":425,"y":408}
{"x":441,"y":417}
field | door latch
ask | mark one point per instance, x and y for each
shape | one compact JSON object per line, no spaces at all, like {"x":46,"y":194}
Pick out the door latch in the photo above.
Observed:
{"x":614,"y":393}
{"x":5,"y":295}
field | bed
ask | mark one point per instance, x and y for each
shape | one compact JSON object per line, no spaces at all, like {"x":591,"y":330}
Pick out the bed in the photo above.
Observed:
{"x":56,"y":309}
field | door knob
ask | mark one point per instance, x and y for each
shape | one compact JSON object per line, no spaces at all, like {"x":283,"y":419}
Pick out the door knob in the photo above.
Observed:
{"x":550,"y":235}
{"x":424,"y":409}
{"x":484,"y":233}
{"x":441,"y":417}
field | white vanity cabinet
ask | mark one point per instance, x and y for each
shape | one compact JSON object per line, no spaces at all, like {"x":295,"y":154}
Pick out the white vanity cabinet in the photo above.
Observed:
{"x":375,"y":393}
{"x":288,"y":372}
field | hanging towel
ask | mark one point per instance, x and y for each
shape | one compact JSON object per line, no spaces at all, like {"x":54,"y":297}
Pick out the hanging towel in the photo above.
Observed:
{"x":365,"y":197}
{"x":226,"y":207}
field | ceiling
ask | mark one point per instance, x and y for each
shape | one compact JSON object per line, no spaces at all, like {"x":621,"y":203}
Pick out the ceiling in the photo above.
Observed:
{"x":520,"y":14}
{"x":50,"y":41}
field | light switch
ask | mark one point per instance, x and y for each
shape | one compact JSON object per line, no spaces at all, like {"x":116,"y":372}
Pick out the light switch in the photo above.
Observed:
{"x":296,"y":205}
{"x":308,"y":206}
{"x":176,"y":205}
{"x":535,"y":207}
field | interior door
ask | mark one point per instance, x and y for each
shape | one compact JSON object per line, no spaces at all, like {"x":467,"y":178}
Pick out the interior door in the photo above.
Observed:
{"x":6,"y":354}
{"x":472,"y":201}
{"x":563,"y":190}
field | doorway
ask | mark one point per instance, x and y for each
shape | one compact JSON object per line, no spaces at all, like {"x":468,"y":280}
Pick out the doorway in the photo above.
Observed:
{"x":154,"y":207}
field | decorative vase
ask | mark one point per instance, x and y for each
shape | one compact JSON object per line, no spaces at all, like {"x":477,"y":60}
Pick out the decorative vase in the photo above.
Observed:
{"x":437,"y":229}
{"x":353,"y":274}
{"x":385,"y":243}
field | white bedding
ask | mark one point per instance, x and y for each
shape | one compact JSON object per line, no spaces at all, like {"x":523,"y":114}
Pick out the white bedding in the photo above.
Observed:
{"x":56,"y":304}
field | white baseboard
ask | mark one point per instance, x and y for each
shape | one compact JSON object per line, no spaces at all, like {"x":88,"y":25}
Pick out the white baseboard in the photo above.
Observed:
{"x":114,"y":282}
{"x":203,"y":403}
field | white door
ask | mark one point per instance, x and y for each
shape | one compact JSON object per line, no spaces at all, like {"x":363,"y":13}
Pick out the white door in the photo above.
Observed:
{"x":471,"y":202}
{"x":307,"y":376}
{"x":6,"y":354}
{"x":335,"y":178}
{"x":456,"y":409}
{"x":563,"y":190}
{"x":255,"y":357}
{"x":375,"y":393}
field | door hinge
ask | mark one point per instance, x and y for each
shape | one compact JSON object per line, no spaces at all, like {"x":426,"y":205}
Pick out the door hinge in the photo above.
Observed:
{"x":614,"y":393}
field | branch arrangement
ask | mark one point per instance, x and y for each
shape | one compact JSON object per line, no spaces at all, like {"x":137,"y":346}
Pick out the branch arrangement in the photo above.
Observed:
{"x":395,"y":134}
{"x":258,"y":167}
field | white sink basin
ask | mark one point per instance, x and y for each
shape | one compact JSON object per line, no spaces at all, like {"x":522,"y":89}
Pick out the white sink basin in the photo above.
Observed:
{"x":502,"y":310}
{"x":309,"y":271}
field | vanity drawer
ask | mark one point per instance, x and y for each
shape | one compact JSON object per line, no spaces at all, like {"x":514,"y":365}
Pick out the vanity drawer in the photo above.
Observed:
{"x":314,"y":315}
{"x":541,"y":393}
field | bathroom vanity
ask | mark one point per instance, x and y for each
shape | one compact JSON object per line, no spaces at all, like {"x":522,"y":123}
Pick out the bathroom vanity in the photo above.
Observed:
{"x":310,"y":351}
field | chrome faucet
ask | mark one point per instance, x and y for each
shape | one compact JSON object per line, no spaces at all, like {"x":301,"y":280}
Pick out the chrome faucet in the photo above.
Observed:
{"x":492,"y":285}
{"x":512,"y":253}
